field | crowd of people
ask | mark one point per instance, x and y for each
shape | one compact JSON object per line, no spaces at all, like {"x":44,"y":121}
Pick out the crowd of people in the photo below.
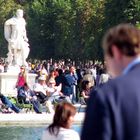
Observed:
{"x":56,"y":82}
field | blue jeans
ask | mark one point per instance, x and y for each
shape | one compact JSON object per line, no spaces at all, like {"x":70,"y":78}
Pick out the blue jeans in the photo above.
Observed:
{"x":35,"y":103}
{"x":9,"y":104}
{"x":74,"y":94}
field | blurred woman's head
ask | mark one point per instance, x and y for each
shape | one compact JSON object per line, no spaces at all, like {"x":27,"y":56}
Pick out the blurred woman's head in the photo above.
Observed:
{"x":63,"y":112}
{"x":63,"y":117}
{"x":85,"y":85}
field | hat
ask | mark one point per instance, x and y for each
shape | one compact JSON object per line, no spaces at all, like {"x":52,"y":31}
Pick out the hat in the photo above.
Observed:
{"x":42,"y":77}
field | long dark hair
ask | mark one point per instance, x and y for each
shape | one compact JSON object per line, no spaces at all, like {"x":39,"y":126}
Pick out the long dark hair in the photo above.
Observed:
{"x":62,"y":113}
{"x":84,"y":85}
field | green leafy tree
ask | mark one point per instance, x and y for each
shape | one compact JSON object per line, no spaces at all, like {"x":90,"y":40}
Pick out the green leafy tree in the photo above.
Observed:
{"x":68,"y":28}
{"x":121,"y":11}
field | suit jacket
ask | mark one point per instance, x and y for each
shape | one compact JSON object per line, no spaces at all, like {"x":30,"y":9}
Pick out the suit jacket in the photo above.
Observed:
{"x":113,"y":111}
{"x":68,"y":85}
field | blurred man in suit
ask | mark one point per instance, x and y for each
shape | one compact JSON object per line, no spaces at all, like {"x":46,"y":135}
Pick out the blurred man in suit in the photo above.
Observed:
{"x":113,"y":111}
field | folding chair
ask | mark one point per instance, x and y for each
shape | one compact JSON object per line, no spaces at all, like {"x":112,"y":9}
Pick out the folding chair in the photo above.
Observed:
{"x":25,"y":106}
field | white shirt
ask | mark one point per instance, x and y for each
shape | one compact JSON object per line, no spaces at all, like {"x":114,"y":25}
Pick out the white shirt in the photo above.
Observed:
{"x":42,"y":88}
{"x":64,"y":134}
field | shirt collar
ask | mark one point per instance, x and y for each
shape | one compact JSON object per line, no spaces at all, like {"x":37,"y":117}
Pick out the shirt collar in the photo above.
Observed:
{"x":130,"y":65}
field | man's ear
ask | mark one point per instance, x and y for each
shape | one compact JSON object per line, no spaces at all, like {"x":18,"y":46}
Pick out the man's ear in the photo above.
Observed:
{"x":116,"y":53}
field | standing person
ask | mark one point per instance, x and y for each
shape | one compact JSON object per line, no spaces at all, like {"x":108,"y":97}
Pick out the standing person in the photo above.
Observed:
{"x":60,"y":79}
{"x":51,"y":79}
{"x":43,"y":70}
{"x":113,"y":111}
{"x":62,"y":122}
{"x":15,"y":34}
{"x":68,"y":85}
{"x":74,"y":86}
{"x":22,"y":78}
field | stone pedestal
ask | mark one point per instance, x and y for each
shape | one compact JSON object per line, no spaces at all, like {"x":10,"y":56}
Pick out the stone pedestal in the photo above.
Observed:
{"x":8,"y":81}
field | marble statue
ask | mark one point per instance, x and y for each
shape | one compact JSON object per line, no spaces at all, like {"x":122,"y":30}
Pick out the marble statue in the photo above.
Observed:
{"x":15,"y":34}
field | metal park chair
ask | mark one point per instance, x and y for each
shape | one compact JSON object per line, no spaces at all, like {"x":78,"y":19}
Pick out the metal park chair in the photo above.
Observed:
{"x":21,"y":104}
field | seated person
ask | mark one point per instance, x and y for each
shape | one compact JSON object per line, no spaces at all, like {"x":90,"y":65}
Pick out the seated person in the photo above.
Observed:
{"x":26,"y":95}
{"x":85,"y":91}
{"x":42,"y":90}
{"x":44,"y":93}
{"x":10,"y":106}
{"x":57,"y":95}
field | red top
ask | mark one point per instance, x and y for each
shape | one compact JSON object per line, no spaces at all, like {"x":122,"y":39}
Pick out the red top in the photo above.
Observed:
{"x":21,"y":80}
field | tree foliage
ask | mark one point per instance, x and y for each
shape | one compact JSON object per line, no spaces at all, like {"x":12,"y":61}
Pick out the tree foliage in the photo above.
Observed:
{"x":68,"y":28}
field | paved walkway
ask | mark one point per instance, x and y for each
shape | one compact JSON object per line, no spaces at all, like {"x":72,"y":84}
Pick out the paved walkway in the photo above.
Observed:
{"x":33,"y":119}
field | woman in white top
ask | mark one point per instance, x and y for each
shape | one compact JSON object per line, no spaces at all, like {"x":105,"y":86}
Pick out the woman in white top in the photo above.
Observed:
{"x":62,"y":122}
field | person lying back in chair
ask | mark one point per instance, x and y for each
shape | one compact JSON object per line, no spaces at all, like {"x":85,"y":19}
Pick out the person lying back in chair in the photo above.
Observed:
{"x":8,"y":105}
{"x":46,"y":94}
{"x":26,"y":95}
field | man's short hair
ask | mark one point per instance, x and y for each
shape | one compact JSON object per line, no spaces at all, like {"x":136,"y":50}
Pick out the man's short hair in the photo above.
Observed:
{"x":125,"y":37}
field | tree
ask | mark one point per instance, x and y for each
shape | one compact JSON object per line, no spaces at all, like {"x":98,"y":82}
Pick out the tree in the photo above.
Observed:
{"x":68,"y":28}
{"x":121,"y":11}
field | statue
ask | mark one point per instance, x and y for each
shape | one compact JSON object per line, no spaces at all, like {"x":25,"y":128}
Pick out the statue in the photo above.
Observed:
{"x":15,"y":34}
